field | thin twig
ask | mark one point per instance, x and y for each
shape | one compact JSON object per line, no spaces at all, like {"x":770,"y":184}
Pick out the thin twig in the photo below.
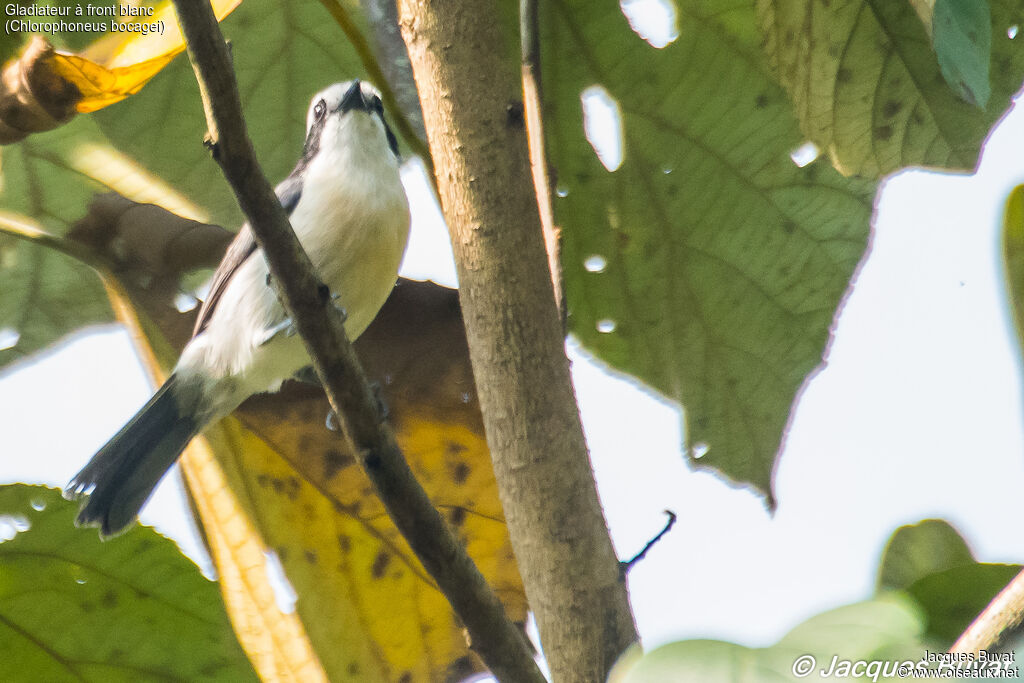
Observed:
{"x":628,"y":564}
{"x":499,"y":643}
{"x":24,"y":228}
{"x":1002,"y":614}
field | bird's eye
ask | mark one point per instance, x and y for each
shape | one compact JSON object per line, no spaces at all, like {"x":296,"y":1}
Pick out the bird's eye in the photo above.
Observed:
{"x":320,"y":109}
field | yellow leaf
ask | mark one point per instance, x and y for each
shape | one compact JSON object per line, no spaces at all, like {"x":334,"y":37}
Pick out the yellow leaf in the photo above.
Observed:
{"x":120,"y":63}
{"x":273,"y":477}
{"x":101,"y":86}
{"x":275,"y":642}
{"x":317,"y":510}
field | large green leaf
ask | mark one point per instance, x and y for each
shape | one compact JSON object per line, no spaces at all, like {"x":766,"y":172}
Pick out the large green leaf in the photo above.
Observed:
{"x":886,"y":630}
{"x":74,"y":608}
{"x":718,"y":262}
{"x":962,"y":38}
{"x":43,"y":294}
{"x":868,"y":88}
{"x":283,"y":53}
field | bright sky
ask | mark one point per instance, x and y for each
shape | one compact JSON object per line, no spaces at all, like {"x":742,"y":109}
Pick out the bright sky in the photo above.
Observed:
{"x":918,"y":414}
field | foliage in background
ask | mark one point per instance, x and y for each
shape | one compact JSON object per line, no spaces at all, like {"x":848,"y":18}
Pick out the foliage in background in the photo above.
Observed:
{"x":707,"y":264}
{"x":367,"y":609}
{"x":930,"y":588}
{"x":73,"y":608}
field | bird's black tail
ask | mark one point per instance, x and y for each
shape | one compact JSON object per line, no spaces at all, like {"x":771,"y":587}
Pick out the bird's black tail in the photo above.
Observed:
{"x":122,"y":475}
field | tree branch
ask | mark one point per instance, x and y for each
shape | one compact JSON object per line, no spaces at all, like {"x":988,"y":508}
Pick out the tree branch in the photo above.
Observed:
{"x":529,"y":36}
{"x":470,"y":93}
{"x":1002,"y":614}
{"x":499,"y":643}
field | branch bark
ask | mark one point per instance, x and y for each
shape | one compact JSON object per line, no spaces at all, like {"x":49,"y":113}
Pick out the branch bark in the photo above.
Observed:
{"x":1002,"y":614}
{"x":470,"y":95}
{"x":499,"y":643}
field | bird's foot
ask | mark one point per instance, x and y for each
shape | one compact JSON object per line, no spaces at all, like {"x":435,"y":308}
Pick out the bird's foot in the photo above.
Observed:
{"x":307,"y":375}
{"x":382,"y":407}
{"x":285,"y":327}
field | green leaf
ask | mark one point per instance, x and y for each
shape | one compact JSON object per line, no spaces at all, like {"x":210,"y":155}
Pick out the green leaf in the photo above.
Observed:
{"x":35,"y":283}
{"x":887,"y":629}
{"x":932,"y":563}
{"x":962,"y":38}
{"x":74,"y":608}
{"x":866,"y":86}
{"x":45,"y":295}
{"x":283,"y":52}
{"x":917,"y":550}
{"x":1013,"y":256}
{"x":719,"y":262}
{"x":866,"y":629}
{"x":951,"y":599}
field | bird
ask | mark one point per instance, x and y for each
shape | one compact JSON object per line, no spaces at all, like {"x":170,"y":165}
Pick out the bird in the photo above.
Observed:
{"x":349,"y":210}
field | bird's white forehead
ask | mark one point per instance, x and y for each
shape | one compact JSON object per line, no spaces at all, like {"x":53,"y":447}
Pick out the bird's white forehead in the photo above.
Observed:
{"x":332,"y":94}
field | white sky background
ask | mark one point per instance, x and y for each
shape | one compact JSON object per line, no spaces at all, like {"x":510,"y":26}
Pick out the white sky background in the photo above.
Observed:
{"x":918,"y":414}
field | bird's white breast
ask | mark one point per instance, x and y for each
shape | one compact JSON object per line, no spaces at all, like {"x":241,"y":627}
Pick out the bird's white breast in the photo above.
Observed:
{"x":353,"y":220}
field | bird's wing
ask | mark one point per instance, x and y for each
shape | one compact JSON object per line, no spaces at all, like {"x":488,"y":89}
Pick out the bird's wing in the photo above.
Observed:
{"x":241,"y":249}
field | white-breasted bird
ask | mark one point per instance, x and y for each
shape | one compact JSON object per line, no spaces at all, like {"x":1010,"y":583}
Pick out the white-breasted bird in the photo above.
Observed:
{"x":346,"y":203}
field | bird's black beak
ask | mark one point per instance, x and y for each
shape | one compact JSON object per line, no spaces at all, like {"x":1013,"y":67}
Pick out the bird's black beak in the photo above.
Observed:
{"x":353,"y":99}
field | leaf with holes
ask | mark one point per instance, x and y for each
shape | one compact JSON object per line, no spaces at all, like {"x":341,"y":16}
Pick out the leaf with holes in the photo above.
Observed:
{"x":73,"y":608}
{"x":708,"y":264}
{"x":867,"y":87}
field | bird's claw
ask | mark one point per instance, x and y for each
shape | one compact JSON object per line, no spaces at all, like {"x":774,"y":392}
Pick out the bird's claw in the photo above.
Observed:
{"x":382,"y":407}
{"x":285,"y":327}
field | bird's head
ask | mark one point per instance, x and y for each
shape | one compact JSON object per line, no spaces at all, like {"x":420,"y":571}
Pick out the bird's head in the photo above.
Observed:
{"x":348,"y":116}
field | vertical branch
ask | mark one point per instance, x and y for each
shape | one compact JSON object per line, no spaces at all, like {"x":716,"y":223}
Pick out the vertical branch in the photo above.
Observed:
{"x":499,"y":643}
{"x":469,"y":93}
